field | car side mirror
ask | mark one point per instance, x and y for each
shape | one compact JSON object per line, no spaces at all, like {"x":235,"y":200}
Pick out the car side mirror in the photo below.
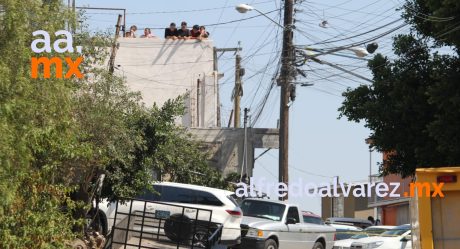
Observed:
{"x":406,"y":238}
{"x":290,"y":221}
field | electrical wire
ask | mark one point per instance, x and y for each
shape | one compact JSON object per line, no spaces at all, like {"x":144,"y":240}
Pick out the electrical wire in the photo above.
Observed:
{"x":180,"y":11}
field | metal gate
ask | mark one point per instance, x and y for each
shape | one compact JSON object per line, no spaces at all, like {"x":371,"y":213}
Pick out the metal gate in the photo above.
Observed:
{"x":157,"y":225}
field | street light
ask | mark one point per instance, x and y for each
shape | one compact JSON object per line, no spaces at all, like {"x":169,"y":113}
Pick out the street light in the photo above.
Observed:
{"x":359,"y":51}
{"x":362,"y":52}
{"x":243,"y":8}
{"x":307,"y":55}
{"x":370,"y":142}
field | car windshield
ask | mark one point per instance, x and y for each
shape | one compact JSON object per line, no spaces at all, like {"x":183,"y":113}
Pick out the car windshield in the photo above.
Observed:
{"x":369,"y":232}
{"x":394,"y":232}
{"x":263,"y":209}
{"x":343,"y":234}
{"x":359,"y":235}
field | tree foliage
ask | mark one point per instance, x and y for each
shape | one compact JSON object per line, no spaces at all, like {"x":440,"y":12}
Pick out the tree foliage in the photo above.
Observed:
{"x":59,"y":135}
{"x":437,"y":19}
{"x":37,"y":130}
{"x":413,"y":106}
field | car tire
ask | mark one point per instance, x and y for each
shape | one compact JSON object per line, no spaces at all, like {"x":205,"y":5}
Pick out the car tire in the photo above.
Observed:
{"x":318,"y":245}
{"x":270,"y":244}
{"x":200,"y":237}
{"x":178,"y":228}
{"x":102,"y":224}
{"x":96,"y":223}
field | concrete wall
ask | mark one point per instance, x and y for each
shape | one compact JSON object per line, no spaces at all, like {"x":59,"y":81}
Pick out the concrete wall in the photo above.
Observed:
{"x":226,"y":146}
{"x":164,"y":69}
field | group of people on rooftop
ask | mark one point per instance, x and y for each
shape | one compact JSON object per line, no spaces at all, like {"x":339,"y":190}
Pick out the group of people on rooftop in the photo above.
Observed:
{"x":197,"y":32}
{"x":132,"y":33}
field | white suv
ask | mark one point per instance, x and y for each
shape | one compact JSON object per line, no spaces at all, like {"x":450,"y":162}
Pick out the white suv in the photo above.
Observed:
{"x":225,"y":210}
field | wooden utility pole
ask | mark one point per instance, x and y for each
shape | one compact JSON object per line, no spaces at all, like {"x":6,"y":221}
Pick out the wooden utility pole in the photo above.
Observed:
{"x":114,"y":46}
{"x":236,"y":97}
{"x":284,"y":82}
{"x":238,"y":91}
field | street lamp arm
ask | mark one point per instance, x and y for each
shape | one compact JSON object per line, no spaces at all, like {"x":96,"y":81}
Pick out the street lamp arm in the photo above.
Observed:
{"x":360,"y":52}
{"x":342,"y":55}
{"x":260,"y":12}
{"x":243,"y":8}
{"x":341,"y":69}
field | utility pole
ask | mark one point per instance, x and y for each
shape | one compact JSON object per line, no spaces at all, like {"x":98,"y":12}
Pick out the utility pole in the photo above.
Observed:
{"x":114,"y":46}
{"x":246,"y":111}
{"x":238,"y":92}
{"x":236,"y":97}
{"x":284,"y":81}
{"x":336,"y":179}
{"x":73,"y":26}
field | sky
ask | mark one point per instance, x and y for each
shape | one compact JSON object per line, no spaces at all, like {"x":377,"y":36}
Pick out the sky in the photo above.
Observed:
{"x":321,"y":146}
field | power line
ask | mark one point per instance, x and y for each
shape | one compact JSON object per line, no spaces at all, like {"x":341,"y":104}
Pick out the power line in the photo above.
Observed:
{"x":227,"y":22}
{"x":178,"y":11}
{"x":303,"y":171}
{"x":363,"y":33}
{"x":242,"y":19}
{"x":220,"y":16}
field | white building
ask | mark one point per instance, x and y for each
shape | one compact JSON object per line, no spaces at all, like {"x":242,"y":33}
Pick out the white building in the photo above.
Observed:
{"x":164,"y":69}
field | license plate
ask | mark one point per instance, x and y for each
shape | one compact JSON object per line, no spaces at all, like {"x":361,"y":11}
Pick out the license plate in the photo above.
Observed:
{"x":162,"y":214}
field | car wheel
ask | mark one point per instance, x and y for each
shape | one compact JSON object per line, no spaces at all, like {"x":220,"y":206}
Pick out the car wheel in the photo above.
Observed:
{"x":318,"y":245}
{"x":201,"y":236}
{"x":96,"y":223}
{"x":178,"y":228}
{"x":101,"y":225}
{"x":270,"y":244}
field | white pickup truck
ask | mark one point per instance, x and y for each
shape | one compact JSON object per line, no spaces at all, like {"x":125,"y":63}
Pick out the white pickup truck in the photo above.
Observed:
{"x":269,"y":224}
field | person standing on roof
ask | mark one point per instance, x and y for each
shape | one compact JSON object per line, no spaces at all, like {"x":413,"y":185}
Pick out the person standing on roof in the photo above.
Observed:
{"x":195,"y":32}
{"x":184,"y":32}
{"x":171,"y":32}
{"x":147,"y":33}
{"x":132,"y":31}
{"x":203,"y":33}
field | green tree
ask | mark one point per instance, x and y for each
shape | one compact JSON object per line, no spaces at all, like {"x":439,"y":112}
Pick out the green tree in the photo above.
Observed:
{"x":59,"y":135}
{"x":168,"y":151}
{"x":413,"y":105}
{"x":437,"y":19}
{"x":37,"y":133}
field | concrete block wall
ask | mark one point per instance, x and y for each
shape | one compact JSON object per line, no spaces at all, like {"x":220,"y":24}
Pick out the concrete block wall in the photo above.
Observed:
{"x":164,"y":69}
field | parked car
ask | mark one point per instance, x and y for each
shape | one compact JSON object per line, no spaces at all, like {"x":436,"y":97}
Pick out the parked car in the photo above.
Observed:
{"x":368,"y":232}
{"x":270,"y":224}
{"x":362,"y":223}
{"x":398,"y":237}
{"x":225,"y":210}
{"x":310,"y":217}
{"x":343,"y":232}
